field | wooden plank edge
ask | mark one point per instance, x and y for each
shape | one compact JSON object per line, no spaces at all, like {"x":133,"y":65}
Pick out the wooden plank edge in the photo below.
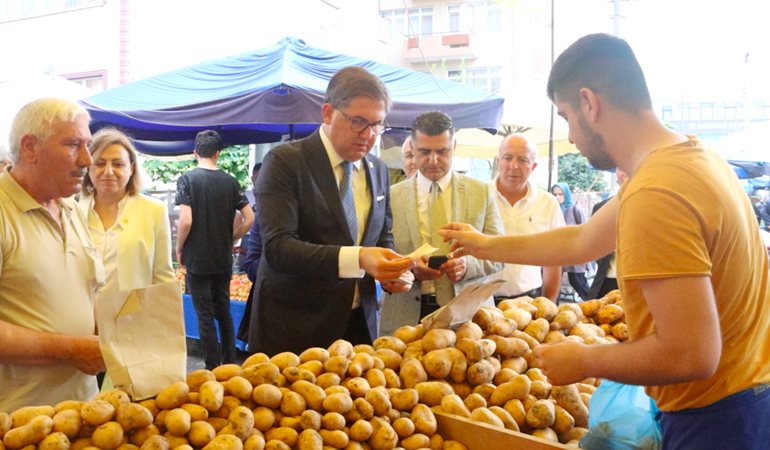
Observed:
{"x":481,"y":436}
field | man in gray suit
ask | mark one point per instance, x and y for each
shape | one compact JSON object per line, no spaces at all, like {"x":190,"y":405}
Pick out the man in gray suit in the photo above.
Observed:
{"x":427,"y":201}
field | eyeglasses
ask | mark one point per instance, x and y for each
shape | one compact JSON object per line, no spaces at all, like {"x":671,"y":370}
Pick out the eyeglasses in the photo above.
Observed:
{"x":359,"y":124}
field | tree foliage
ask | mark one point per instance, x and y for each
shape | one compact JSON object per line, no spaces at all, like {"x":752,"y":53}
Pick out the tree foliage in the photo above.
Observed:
{"x":233,"y":160}
{"x":575,"y":171}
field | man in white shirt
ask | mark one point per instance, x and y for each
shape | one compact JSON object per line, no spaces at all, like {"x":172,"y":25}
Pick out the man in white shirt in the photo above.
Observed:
{"x":421,"y":205}
{"x":525,"y":209}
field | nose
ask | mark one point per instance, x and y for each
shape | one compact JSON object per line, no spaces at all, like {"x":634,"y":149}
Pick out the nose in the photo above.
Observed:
{"x":433,"y":158}
{"x":367,"y":132}
{"x":84,"y":156}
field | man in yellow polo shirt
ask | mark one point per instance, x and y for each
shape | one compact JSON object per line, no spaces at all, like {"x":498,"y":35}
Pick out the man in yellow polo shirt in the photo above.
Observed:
{"x":48,"y":264}
{"x":692,"y":269}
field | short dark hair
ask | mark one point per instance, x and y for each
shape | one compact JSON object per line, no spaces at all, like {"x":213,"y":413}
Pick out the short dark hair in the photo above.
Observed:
{"x":256,"y":168}
{"x":208,"y":143}
{"x":351,"y":82}
{"x":432,"y":123}
{"x":606,"y":65}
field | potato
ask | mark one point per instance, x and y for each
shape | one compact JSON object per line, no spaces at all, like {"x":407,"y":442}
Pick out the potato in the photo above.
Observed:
{"x":414,"y":350}
{"x":383,"y":437}
{"x":564,"y":321}
{"x":390,"y":358}
{"x":474,"y":401}
{"x":212,"y":395}
{"x":293,"y":404}
{"x":114,"y":397}
{"x":447,"y":362}
{"x":341,"y":347}
{"x":437,"y":339}
{"x":238,"y":386}
{"x":376,"y":377}
{"x":31,"y":433}
{"x":197,"y":412}
{"x":142,"y":434}
{"x":541,"y":415}
{"x":405,"y":400}
{"x":509,"y":347}
{"x":314,"y":354}
{"x":404,"y":427}
{"x":178,"y":421}
{"x":379,"y":401}
{"x":275,"y":444}
{"x":284,"y":360}
{"x":415,"y":442}
{"x":151,"y":405}
{"x":339,"y":403}
{"x":264,"y":418}
{"x":546,"y":309}
{"x":267,"y":395}
{"x":361,"y":410}
{"x":67,"y":422}
{"x":574,"y":307}
{"x":131,"y":416}
{"x":568,"y":398}
{"x":620,"y":331}
{"x":481,"y":372}
{"x":521,"y":317}
{"x":609,"y":314}
{"x":253,"y":360}
{"x":391,"y":343}
{"x":486,"y":416}
{"x":518,"y":365}
{"x":83,"y":443}
{"x":309,"y":440}
{"x":23,"y":416}
{"x":108,"y":436}
{"x":360,"y":364}
{"x":313,"y":395}
{"x":505,"y":417}
{"x":336,"y":438}
{"x":358,"y":387}
{"x":293,"y":374}
{"x":540,"y":389}
{"x":474,"y":350}
{"x":173,"y":396}
{"x":424,"y":420}
{"x":288,"y":436}
{"x":431,"y":392}
{"x":155,"y":443}
{"x":538,"y":328}
{"x":54,"y":441}
{"x":201,"y":433}
{"x":546,"y":433}
{"x":97,"y":412}
{"x":517,"y":388}
{"x":412,"y":372}
{"x":293,"y":422}
{"x":254,"y":442}
{"x":516,"y":409}
{"x":453,"y":445}
{"x":333,"y":421}
{"x":485,"y":390}
{"x":310,"y":420}
{"x":532,"y":342}
{"x":453,"y":404}
{"x":361,"y":430}
{"x":64,"y":406}
{"x":409,"y":334}
{"x":175,"y":442}
{"x":575,"y":434}
{"x":563,"y":421}
{"x":327,"y":380}
{"x":502,"y":327}
{"x":337,"y":364}
{"x":224,"y":442}
{"x":262,"y":373}
{"x":486,"y":315}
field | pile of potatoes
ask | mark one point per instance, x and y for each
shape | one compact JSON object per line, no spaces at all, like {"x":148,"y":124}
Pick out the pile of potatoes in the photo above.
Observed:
{"x":608,"y":313}
{"x":343,"y":397}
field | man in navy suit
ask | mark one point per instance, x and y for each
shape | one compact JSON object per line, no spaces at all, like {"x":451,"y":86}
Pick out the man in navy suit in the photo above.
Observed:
{"x":323,"y":205}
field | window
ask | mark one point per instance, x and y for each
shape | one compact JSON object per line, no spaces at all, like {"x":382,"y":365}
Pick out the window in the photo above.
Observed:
{"x":92,"y":80}
{"x":19,"y":9}
{"x":397,"y":23}
{"x":485,"y":78}
{"x":707,"y":111}
{"x":480,"y":17}
{"x":666,"y":113}
{"x":488,"y":17}
{"x":719,"y":110}
{"x":461,"y":17}
{"x":421,"y":21}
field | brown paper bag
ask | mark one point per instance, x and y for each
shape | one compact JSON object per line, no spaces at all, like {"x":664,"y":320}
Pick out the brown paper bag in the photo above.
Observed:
{"x":462,"y":308}
{"x":142,"y":338}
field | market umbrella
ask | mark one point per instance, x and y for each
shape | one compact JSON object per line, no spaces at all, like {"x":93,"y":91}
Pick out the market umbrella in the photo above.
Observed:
{"x":262,"y":95}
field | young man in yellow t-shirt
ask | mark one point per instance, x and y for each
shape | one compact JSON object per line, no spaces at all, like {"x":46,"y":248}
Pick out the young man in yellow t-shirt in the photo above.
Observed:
{"x":692,"y":268}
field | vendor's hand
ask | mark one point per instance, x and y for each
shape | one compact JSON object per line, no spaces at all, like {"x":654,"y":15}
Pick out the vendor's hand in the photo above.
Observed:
{"x":394,"y":287}
{"x":382,"y":263}
{"x":464,"y":239}
{"x":455,"y":268}
{"x":179,"y":258}
{"x":424,"y":273}
{"x":562,"y":361}
{"x":86,"y":356}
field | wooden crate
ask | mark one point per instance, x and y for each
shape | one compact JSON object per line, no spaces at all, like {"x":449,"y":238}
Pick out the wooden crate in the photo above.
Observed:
{"x":480,"y":436}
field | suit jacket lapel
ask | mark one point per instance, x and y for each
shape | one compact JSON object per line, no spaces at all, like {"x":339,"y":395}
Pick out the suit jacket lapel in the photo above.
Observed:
{"x":371,"y":180}
{"x":409,"y":200}
{"x":321,"y":169}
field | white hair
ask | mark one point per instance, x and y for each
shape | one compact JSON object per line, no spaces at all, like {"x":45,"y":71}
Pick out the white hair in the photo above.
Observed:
{"x":37,"y":118}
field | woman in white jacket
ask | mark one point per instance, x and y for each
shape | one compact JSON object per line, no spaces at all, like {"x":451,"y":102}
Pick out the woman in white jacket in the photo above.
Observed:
{"x":131,"y":230}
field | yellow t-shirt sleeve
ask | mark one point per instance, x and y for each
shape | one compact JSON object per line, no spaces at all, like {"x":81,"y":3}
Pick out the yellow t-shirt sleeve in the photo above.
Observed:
{"x":664,"y":240}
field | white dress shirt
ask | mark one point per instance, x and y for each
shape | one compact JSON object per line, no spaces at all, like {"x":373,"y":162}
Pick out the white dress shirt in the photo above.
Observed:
{"x":106,"y":241}
{"x":348,"y":265}
{"x":538,"y":211}
{"x":423,"y":212}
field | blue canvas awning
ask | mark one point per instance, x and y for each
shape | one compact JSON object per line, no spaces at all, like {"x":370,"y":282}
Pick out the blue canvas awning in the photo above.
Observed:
{"x":262,"y":95}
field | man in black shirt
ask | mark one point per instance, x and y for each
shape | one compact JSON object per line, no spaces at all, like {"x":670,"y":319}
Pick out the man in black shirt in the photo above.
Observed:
{"x":208,"y":199}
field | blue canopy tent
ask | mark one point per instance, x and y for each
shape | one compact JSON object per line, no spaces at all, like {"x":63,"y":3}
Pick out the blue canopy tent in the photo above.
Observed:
{"x":262,"y":95}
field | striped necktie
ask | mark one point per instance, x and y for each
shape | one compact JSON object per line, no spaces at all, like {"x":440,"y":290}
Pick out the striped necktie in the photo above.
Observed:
{"x":348,"y":202}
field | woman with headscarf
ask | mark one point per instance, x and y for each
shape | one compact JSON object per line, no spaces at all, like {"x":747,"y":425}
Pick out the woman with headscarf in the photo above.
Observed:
{"x":572,"y":216}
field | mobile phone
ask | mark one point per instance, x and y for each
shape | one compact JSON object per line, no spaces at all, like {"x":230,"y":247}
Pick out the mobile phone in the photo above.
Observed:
{"x":436,"y":261}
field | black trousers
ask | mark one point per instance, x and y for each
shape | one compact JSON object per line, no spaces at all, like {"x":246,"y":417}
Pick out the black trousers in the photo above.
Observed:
{"x":357,"y":332}
{"x":579,"y":284}
{"x":211,"y":298}
{"x":428,"y":304}
{"x":609,"y":285}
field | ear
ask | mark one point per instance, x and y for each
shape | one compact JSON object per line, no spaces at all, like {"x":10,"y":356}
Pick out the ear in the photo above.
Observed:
{"x":590,"y":105}
{"x":195,"y":153}
{"x":28,"y":143}
{"x":534,"y":165}
{"x":327,"y":110}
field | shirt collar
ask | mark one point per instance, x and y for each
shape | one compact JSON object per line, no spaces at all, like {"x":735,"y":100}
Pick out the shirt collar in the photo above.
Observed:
{"x":21,"y":197}
{"x":443,"y":182}
{"x":334,"y":157}
{"x":527,"y":196}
